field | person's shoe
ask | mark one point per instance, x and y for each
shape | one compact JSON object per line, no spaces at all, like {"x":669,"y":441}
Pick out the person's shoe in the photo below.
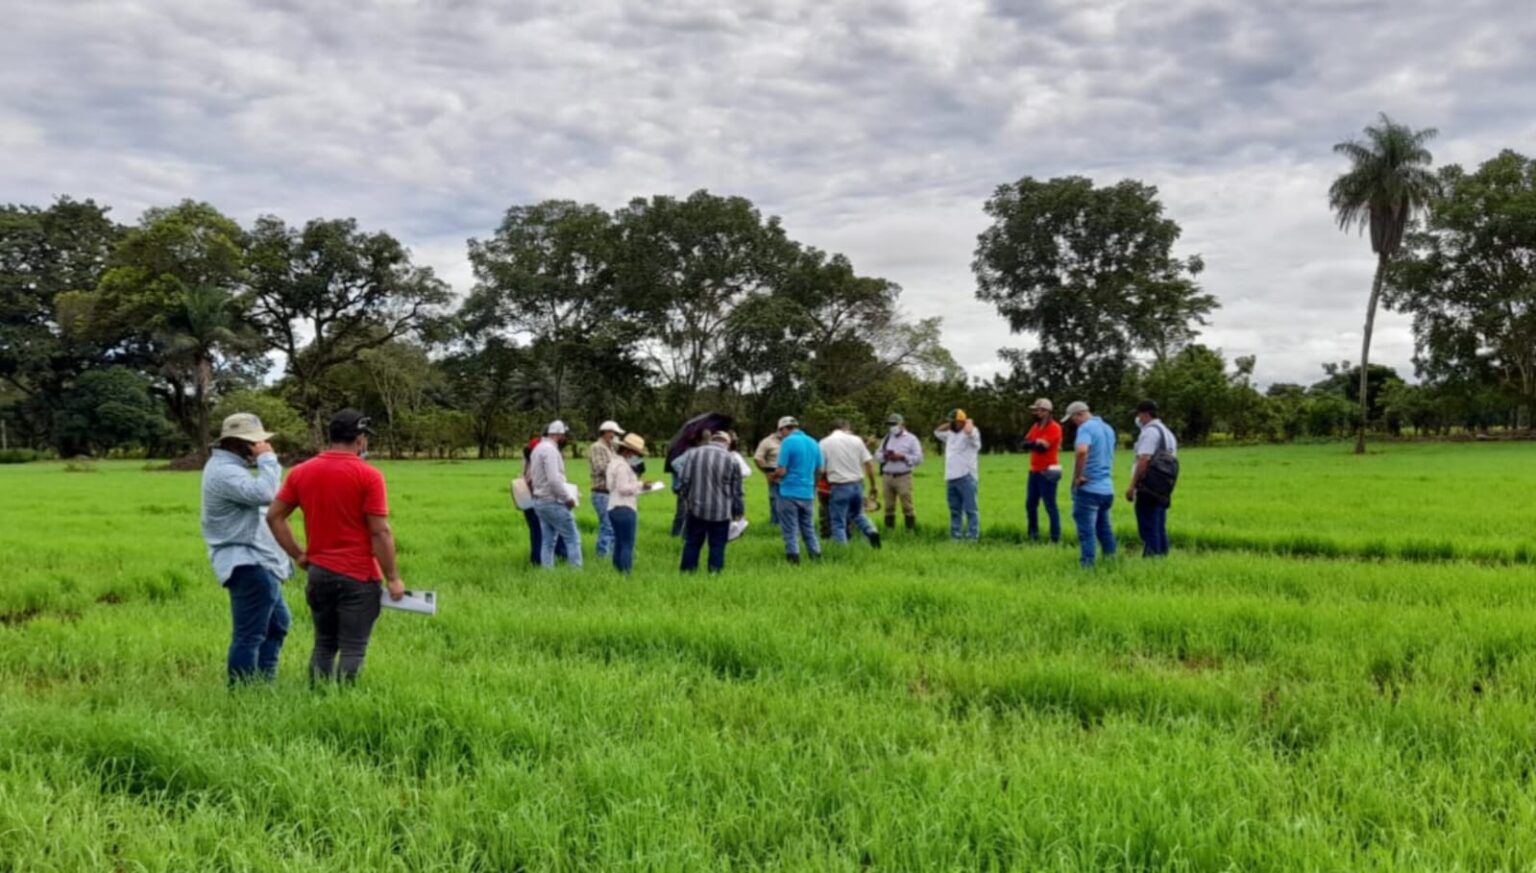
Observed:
{"x":890,"y":522}
{"x":793,"y":559}
{"x":911,"y":522}
{"x":874,"y":539}
{"x":815,"y":556}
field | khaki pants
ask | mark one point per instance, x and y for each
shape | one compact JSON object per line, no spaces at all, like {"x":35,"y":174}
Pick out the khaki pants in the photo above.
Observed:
{"x":898,"y":485}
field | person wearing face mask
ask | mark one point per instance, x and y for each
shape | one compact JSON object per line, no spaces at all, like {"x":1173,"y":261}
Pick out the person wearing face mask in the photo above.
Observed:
{"x":962,"y":453}
{"x":899,"y":454}
{"x":245,"y":557}
{"x":1044,"y":444}
{"x":349,"y":546}
{"x":624,"y":487}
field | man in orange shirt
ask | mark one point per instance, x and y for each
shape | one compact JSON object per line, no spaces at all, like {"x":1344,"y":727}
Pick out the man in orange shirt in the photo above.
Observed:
{"x":1044,"y":444}
{"x":351,"y":548}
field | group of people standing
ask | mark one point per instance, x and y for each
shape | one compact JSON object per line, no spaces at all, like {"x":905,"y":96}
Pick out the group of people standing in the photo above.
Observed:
{"x":349,"y":550}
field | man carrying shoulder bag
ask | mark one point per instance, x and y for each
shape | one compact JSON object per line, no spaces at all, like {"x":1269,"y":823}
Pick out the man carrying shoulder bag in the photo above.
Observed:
{"x":1153,"y":480}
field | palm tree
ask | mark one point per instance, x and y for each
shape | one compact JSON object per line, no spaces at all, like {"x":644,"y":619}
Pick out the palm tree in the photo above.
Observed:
{"x":1388,"y":181}
{"x":203,"y":321}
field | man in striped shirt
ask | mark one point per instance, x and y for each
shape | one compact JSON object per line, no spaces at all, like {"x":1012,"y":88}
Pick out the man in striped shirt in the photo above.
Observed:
{"x":710,"y":486}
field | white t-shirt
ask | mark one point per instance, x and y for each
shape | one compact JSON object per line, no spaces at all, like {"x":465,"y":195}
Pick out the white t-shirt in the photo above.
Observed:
{"x":844,"y":456}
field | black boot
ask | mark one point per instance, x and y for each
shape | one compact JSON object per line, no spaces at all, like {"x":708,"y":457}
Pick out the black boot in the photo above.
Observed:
{"x":874,"y":538}
{"x":890,"y":522}
{"x":793,"y":559}
{"x":911,"y":522}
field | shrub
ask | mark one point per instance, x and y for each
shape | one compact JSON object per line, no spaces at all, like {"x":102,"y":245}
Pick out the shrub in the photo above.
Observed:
{"x":19,"y":456}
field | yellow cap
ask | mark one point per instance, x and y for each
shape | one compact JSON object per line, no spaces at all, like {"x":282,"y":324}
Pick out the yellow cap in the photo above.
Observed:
{"x":957,"y":415}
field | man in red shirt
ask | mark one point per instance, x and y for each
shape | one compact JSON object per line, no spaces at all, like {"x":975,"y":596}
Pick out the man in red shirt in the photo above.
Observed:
{"x":1044,"y":444}
{"x":350,"y":545}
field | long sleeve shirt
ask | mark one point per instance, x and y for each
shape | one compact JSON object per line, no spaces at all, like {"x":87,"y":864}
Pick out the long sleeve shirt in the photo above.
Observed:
{"x":234,"y":514}
{"x":905,"y":444}
{"x":600,"y":456}
{"x":623,"y":485}
{"x":710,"y":484}
{"x":546,"y":472}
{"x":962,"y":452}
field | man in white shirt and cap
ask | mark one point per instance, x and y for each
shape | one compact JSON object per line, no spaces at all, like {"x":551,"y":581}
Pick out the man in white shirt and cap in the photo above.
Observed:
{"x":600,"y":455}
{"x":848,"y":462}
{"x":552,"y":500}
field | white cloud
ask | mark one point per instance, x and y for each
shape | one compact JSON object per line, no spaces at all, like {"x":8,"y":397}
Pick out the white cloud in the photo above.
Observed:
{"x":874,"y":128}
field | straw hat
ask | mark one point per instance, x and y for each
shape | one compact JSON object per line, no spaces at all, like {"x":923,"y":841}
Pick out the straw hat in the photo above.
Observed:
{"x":633,"y":442}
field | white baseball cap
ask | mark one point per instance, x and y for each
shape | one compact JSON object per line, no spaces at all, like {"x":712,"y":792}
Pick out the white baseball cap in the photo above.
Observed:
{"x":610,"y":426}
{"x":556,"y":428}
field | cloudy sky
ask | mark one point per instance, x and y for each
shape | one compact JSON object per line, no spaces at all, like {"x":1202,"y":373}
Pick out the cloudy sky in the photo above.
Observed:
{"x":872,"y":128}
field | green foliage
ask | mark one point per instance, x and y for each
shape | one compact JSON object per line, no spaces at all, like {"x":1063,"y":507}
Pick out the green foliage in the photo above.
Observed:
{"x":1468,"y":277}
{"x":1089,"y":274}
{"x":19,"y":456}
{"x":108,"y":409}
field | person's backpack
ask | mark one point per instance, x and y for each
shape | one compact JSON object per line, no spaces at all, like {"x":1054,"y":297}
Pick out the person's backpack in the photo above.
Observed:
{"x":1162,"y":474}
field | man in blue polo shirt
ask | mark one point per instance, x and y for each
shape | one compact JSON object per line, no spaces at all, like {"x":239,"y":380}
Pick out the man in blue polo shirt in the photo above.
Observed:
{"x":1093,"y":487}
{"x":799,"y":466}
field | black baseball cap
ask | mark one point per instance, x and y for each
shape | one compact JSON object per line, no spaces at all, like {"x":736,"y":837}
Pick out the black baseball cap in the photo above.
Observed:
{"x":1147,"y":406}
{"x":348,"y":424}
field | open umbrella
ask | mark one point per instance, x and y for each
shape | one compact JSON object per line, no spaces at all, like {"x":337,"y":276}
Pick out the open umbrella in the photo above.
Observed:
{"x":688,"y":435}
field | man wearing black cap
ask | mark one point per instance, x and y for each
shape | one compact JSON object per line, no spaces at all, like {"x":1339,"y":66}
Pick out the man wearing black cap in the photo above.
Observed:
{"x":350,"y":547}
{"x":1151,"y":509}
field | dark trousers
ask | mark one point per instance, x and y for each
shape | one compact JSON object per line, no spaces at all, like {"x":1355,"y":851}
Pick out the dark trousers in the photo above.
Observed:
{"x":536,"y":539}
{"x":625,"y":525}
{"x":695,"y":533}
{"x":1042,"y":490}
{"x":260,"y":622}
{"x":344,"y":611}
{"x":1152,"y":526}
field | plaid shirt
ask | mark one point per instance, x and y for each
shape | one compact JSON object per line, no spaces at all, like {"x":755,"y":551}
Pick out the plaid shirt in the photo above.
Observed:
{"x":600,"y":456}
{"x":710,"y":484}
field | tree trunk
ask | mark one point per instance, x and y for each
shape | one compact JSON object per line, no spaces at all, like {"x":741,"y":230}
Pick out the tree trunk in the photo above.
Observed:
{"x":1365,"y":351}
{"x":200,"y":390}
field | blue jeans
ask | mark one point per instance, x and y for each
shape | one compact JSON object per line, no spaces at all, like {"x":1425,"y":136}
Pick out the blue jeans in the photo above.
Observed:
{"x":694,"y":535}
{"x":962,"y":508}
{"x":848,"y":502}
{"x":557,"y":522}
{"x":1152,"y":526}
{"x":773,"y":503}
{"x":797,"y":521}
{"x":260,"y":622}
{"x":604,"y":526}
{"x":1043,"y":490}
{"x":625,"y":525}
{"x":1091,"y":513}
{"x":536,"y":540}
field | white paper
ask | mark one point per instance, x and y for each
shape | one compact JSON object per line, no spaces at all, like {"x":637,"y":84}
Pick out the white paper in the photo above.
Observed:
{"x":424,"y":602}
{"x":652,"y":487}
{"x":737,"y":529}
{"x":574,"y":493}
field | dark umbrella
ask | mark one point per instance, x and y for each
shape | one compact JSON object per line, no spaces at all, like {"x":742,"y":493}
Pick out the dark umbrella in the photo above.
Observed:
{"x":688,"y":435}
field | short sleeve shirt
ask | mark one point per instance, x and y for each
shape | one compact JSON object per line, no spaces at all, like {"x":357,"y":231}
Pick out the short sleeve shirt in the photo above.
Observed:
{"x":1100,"y":440}
{"x":337,"y":491}
{"x":844,"y":455}
{"x":799,"y":458}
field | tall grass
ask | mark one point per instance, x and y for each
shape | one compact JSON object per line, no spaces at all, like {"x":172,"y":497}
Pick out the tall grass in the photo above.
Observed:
{"x":930,"y":706}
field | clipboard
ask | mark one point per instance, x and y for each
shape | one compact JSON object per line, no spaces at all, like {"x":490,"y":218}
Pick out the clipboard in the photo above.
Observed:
{"x":420,"y":602}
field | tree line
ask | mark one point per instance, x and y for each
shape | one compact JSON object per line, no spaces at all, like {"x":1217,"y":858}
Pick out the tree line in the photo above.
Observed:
{"x":141,"y":337}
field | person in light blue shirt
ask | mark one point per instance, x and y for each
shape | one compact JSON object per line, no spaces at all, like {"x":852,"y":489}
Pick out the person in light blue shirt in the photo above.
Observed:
{"x":1093,"y":486}
{"x":800,"y":464}
{"x":246,"y":558}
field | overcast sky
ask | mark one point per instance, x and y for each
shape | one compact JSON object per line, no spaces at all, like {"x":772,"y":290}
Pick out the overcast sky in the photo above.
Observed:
{"x":876,"y":129}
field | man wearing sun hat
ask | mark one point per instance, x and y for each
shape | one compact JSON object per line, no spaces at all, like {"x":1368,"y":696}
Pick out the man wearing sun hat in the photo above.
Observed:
{"x":1044,"y":444}
{"x":599,"y":457}
{"x":962,"y":453}
{"x":245,"y":557}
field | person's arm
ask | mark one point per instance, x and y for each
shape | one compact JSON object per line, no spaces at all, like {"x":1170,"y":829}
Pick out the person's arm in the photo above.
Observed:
{"x":622,"y":480}
{"x":239,"y":486}
{"x":1142,"y":462}
{"x":1082,"y":461}
{"x":914,"y":457}
{"x":383,"y":539}
{"x":556,"y":476}
{"x":971,"y":435}
{"x":738,"y":495}
{"x":942,"y":434}
{"x":282,"y":531}
{"x":874,"y":479}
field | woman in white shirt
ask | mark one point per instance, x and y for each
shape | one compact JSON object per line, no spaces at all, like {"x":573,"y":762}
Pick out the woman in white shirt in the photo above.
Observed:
{"x":623,"y":489}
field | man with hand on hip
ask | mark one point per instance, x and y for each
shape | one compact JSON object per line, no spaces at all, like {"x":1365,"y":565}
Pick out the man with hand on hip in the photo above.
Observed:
{"x":349,"y":545}
{"x":799,"y":468}
{"x":600,"y":455}
{"x":245,"y":557}
{"x":900,"y":453}
{"x":848,"y":461}
{"x":1093,"y":486}
{"x":552,"y":500}
{"x":962,"y":454}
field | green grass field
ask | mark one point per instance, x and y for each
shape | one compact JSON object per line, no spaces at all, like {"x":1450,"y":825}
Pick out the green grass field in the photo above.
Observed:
{"x":1335,"y":670}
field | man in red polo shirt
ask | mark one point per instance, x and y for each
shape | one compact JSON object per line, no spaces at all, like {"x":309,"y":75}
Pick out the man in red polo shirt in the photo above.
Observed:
{"x":1044,"y":444}
{"x":350,"y":545}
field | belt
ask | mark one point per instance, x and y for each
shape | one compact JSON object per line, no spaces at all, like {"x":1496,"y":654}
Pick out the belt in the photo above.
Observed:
{"x":599,"y":490}
{"x":902,"y":473}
